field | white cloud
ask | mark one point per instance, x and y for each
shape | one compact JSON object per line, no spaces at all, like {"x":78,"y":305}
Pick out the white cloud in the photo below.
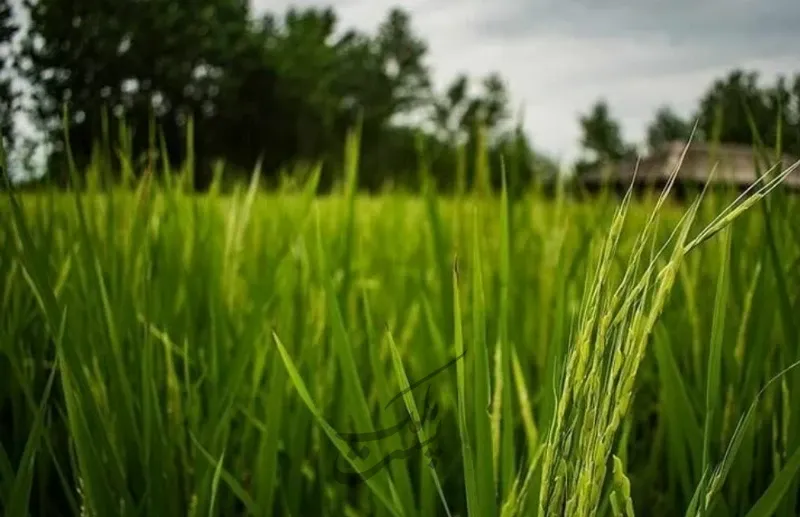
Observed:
{"x":559,"y":57}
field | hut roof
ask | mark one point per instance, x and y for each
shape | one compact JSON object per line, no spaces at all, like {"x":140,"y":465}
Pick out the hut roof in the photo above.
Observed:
{"x":732,"y":165}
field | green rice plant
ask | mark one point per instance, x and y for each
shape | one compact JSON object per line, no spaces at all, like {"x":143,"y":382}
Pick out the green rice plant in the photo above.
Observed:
{"x":598,"y":381}
{"x":169,"y":353}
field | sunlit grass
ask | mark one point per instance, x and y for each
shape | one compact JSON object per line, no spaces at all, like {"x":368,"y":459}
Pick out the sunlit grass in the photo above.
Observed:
{"x":163,"y":353}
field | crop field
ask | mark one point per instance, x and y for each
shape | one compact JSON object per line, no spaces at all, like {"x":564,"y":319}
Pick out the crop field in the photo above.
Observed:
{"x":283,"y":353}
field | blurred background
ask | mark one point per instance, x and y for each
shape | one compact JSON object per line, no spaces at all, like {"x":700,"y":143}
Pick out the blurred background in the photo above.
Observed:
{"x":565,"y":84}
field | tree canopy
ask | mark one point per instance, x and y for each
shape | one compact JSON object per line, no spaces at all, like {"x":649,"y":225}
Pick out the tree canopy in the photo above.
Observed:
{"x":8,"y":30}
{"x":213,"y":80}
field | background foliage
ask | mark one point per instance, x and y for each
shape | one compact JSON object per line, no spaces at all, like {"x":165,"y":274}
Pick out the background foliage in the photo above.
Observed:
{"x":283,"y":88}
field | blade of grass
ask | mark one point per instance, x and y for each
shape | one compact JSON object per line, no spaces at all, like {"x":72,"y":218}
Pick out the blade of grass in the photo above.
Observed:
{"x":467,"y":458}
{"x":770,"y":500}
{"x":417,"y":422}
{"x":344,"y":449}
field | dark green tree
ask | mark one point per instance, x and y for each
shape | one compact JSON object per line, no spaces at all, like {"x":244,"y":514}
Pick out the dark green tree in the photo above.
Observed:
{"x":793,"y":116}
{"x":601,"y":139}
{"x":740,"y":109}
{"x":449,"y":111}
{"x":8,"y":30}
{"x":723,"y":108}
{"x":308,"y":61}
{"x":402,"y":57}
{"x":666,"y":127}
{"x":135,"y":58}
{"x":779,"y":124}
{"x":328,"y":82}
{"x":390,"y":82}
{"x":275,"y":90}
{"x":473,"y":123}
{"x":457,"y":111}
{"x":493,"y":105}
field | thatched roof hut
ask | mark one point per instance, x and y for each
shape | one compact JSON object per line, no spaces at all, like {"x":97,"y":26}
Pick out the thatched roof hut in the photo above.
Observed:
{"x":735,"y":166}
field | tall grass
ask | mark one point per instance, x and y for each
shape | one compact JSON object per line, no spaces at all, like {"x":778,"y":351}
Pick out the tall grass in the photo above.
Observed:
{"x":163,"y":353}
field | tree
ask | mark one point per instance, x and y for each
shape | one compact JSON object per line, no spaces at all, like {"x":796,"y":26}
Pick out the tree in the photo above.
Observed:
{"x":308,"y":62}
{"x":666,"y":127}
{"x":331,"y":82}
{"x":250,"y":120}
{"x":723,"y":108}
{"x":738,"y":109}
{"x":275,"y":90}
{"x":601,"y":138}
{"x":493,"y":104}
{"x":449,"y":111}
{"x":456,"y":112}
{"x":793,"y":117}
{"x":135,"y":58}
{"x":779,"y":123}
{"x":474,"y":120}
{"x":8,"y":30}
{"x":402,"y":58}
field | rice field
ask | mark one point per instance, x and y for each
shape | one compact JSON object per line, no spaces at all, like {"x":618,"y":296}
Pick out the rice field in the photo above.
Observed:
{"x":164,"y":353}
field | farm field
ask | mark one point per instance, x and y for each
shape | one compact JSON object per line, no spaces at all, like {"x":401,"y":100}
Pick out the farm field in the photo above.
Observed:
{"x":171,"y":354}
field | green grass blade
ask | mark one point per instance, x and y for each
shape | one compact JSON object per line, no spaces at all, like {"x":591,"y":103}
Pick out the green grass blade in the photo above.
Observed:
{"x":417,"y":421}
{"x":768,"y":503}
{"x":19,"y":496}
{"x":485,"y":471}
{"x":360,"y":466}
{"x":713,"y":386}
{"x":507,"y":457}
{"x":467,"y":457}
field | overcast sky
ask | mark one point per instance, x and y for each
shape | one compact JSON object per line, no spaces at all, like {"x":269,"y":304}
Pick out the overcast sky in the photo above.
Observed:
{"x":559,"y":56}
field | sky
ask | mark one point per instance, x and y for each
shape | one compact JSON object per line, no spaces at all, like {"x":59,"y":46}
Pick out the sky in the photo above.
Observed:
{"x":560,"y":56}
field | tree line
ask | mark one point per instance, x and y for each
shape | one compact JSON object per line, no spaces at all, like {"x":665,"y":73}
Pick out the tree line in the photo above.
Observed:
{"x":135,"y":83}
